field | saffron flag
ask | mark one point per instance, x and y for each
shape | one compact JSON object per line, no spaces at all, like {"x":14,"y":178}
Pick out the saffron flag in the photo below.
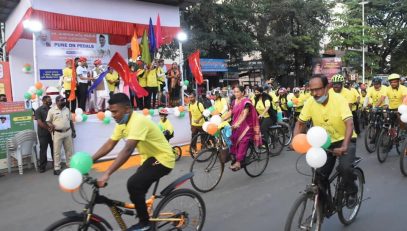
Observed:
{"x":158,"y":34}
{"x":151,"y":37}
{"x":135,"y":47}
{"x":195,"y":66}
{"x":145,"y":52}
{"x":72,"y":95}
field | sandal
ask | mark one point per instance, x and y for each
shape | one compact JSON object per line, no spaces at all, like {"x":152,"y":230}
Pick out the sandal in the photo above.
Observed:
{"x":235,"y":168}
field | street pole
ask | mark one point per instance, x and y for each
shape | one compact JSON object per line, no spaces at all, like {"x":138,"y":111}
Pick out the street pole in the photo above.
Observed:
{"x":35,"y":58}
{"x":181,"y":64}
{"x":2,"y":42}
{"x":363,"y":39}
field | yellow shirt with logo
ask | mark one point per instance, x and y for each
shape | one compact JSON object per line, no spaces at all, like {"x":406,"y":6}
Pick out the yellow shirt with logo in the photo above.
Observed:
{"x":196,"y":110}
{"x":330,"y":116}
{"x":166,"y":126}
{"x":395,"y":96}
{"x":152,"y":80}
{"x":260,"y":107}
{"x":375,"y":95}
{"x":67,"y":78}
{"x":111,"y":77}
{"x":151,"y":141}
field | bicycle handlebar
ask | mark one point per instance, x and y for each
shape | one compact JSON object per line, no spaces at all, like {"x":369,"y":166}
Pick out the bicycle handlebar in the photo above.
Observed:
{"x":91,"y":181}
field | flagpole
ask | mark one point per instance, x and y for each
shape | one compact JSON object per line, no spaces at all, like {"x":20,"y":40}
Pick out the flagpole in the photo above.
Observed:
{"x":181,"y":64}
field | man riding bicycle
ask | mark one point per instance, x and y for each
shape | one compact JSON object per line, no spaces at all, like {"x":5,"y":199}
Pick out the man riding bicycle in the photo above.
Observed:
{"x":157,"y":157}
{"x":331,"y":111}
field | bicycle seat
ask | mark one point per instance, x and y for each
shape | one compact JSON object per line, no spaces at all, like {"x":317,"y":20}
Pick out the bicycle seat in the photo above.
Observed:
{"x":356,"y":161}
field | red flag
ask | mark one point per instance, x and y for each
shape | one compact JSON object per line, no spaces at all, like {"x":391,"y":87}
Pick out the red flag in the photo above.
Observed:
{"x":72,"y":95}
{"x":195,"y":66}
{"x":158,"y":34}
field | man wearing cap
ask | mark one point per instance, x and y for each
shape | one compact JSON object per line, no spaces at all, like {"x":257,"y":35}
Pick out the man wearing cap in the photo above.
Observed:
{"x":66,"y":81}
{"x":59,"y":120}
{"x":102,"y":93}
{"x":43,"y":132}
{"x":83,"y":79}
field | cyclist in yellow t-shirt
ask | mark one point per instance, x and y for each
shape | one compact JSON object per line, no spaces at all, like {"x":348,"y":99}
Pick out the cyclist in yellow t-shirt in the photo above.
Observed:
{"x":395,"y":92}
{"x":165,"y":124}
{"x":262,"y":103}
{"x":156,"y":153}
{"x":377,"y":94}
{"x":220,"y":104}
{"x":298,"y":101}
{"x":196,"y":117}
{"x":331,"y":111}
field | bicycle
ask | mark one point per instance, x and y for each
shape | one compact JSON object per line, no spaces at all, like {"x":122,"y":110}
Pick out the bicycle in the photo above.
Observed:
{"x":177,"y":152}
{"x":320,"y":202}
{"x":168,"y":215}
{"x":276,"y":138}
{"x":208,"y":166}
{"x":202,"y":140}
{"x":389,"y":135}
{"x":373,"y":129}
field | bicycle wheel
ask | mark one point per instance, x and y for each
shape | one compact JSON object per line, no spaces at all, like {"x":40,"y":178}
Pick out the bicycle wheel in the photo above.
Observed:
{"x":276,"y":141}
{"x":400,"y":140}
{"x":384,"y":144}
{"x":183,"y":204}
{"x":287,"y":131}
{"x":207,"y":171}
{"x":177,"y":152}
{"x":256,"y":160}
{"x":370,"y":138}
{"x":73,"y":223}
{"x":347,"y":214}
{"x":201,"y":141}
{"x":305,"y":215}
{"x":403,"y":160}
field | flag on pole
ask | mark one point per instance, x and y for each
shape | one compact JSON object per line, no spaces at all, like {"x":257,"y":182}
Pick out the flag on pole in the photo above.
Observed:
{"x":135,"y":47}
{"x":145,"y":52}
{"x":158,"y":34}
{"x":72,"y":95}
{"x":195,"y":66}
{"x":151,"y":37}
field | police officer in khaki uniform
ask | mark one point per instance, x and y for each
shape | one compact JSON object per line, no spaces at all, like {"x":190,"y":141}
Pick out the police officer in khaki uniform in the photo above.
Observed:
{"x":59,"y":120}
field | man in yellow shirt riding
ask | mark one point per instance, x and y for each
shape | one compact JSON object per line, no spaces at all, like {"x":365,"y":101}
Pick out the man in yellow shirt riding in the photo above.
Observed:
{"x":377,"y":94}
{"x":196,"y":117}
{"x":395,"y":92}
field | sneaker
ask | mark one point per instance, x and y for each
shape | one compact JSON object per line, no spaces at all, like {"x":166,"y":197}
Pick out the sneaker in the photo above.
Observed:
{"x":57,"y":172}
{"x":140,"y":227}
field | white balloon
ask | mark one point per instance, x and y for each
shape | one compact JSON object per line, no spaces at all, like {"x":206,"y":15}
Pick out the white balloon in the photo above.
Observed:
{"x":206,"y":113}
{"x":316,"y":157}
{"x":402,"y":109}
{"x":32,"y":90}
{"x":216,"y":119}
{"x":70,"y":179}
{"x":34,"y":104}
{"x":184,"y":87}
{"x":108,"y":114}
{"x":78,"y":111}
{"x":177,"y":113}
{"x":403,"y":118}
{"x":317,"y":136}
{"x":212,"y":102}
{"x":78,"y":118}
{"x":149,"y":117}
{"x":205,"y":126}
{"x":182,"y":83}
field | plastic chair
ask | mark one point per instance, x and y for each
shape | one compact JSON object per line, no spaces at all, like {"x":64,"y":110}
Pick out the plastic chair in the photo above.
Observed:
{"x":23,"y":144}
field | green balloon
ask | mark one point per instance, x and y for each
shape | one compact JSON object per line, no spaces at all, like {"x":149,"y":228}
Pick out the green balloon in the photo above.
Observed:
{"x":290,"y":104}
{"x":159,"y":109}
{"x":106,"y":120}
{"x":39,"y":92}
{"x":84,"y":117}
{"x":182,"y":114}
{"x":82,"y":161}
{"x":151,"y":112}
{"x":27,"y":95}
{"x":327,"y":143}
{"x":186,"y":82}
{"x":211,"y":109}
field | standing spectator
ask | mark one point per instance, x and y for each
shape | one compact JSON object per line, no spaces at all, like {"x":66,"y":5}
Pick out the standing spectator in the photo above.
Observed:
{"x":83,"y":79}
{"x":152,"y":85}
{"x":174,"y":77}
{"x":112,"y":79}
{"x":132,"y":77}
{"x":102,"y":93}
{"x":66,"y":81}
{"x":161,"y":70}
{"x":142,"y":80}
{"x":196,"y":117}
{"x":43,"y":131}
{"x":59,"y":120}
{"x":3,"y":98}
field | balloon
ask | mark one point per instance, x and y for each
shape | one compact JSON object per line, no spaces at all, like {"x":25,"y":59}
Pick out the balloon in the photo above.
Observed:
{"x":327,"y":143}
{"x":84,"y":117}
{"x":82,"y":161}
{"x":78,"y":118}
{"x":181,"y":84}
{"x":100,"y":115}
{"x":108,"y":114}
{"x":211,"y":109}
{"x":27,"y":95}
{"x":32,"y":90}
{"x":317,"y":136}
{"x":300,"y":144}
{"x":177,"y":113}
{"x":39,"y":92}
{"x":33,"y":96}
{"x":402,"y":109}
{"x":205,"y":126}
{"x":290,"y":104}
{"x":151,"y":112}
{"x":295,"y":101}
{"x":181,"y":108}
{"x":403,"y":118}
{"x":148,"y":117}
{"x":145,"y":111}
{"x":215,"y":112}
{"x":70,"y":179}
{"x":106,"y":120}
{"x":212,"y":102}
{"x":216,"y":119}
{"x":316,"y":157}
{"x":38,"y":85}
{"x":184,"y":87}
{"x":34,"y":105}
{"x":79,"y":111}
{"x":182,"y":114}
{"x":212,"y":128}
{"x":206,"y":113}
{"x":186,"y":82}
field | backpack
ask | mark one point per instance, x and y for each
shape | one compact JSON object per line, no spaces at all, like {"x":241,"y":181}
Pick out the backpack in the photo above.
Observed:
{"x":205,"y":102}
{"x":272,"y":113}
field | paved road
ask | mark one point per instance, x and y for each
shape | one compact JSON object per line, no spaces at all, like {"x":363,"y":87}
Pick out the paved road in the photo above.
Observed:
{"x":33,"y":201}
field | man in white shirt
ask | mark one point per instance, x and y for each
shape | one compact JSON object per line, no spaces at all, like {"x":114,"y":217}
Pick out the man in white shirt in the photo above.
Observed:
{"x":4,"y":123}
{"x":102,"y":49}
{"x":83,"y":79}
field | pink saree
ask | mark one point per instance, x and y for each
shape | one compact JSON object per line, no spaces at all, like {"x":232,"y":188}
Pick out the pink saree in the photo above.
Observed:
{"x":248,"y":130}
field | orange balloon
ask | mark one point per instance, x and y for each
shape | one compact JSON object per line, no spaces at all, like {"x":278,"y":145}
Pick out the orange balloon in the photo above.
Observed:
{"x":295,"y":101}
{"x":100,"y":115}
{"x":300,"y":144}
{"x":181,"y":108}
{"x":212,"y":129}
{"x":215,"y":112}
{"x":38,"y":85}
{"x":33,"y":96}
{"x":146,"y":112}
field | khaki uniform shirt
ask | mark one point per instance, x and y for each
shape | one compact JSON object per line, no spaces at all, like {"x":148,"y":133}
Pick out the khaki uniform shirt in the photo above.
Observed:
{"x":59,"y":118}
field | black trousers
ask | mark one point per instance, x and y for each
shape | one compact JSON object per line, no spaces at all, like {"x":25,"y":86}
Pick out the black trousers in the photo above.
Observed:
{"x":82,"y":95}
{"x":70,"y":104}
{"x":265,"y":123}
{"x":140,"y":103}
{"x":356,"y":122}
{"x":139,"y":183}
{"x":152,"y":95}
{"x":44,"y":142}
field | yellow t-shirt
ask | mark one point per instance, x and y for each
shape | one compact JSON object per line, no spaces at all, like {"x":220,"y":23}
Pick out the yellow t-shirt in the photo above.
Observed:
{"x":274,"y":98}
{"x":375,"y":95}
{"x":112,"y":77}
{"x":260,"y":107}
{"x":354,"y":94}
{"x":166,"y":126}
{"x":152,"y":78}
{"x":299,"y":102}
{"x":283,"y":104}
{"x":142,"y":78}
{"x":396,"y":96}
{"x":67,"y":78}
{"x":362,"y":100}
{"x":196,"y":110}
{"x":347,"y":94}
{"x":221,"y":105}
{"x":330,"y":116}
{"x":152,"y":142}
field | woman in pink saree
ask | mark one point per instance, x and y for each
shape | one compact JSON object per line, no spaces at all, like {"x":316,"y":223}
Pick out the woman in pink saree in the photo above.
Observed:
{"x":245,"y":125}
